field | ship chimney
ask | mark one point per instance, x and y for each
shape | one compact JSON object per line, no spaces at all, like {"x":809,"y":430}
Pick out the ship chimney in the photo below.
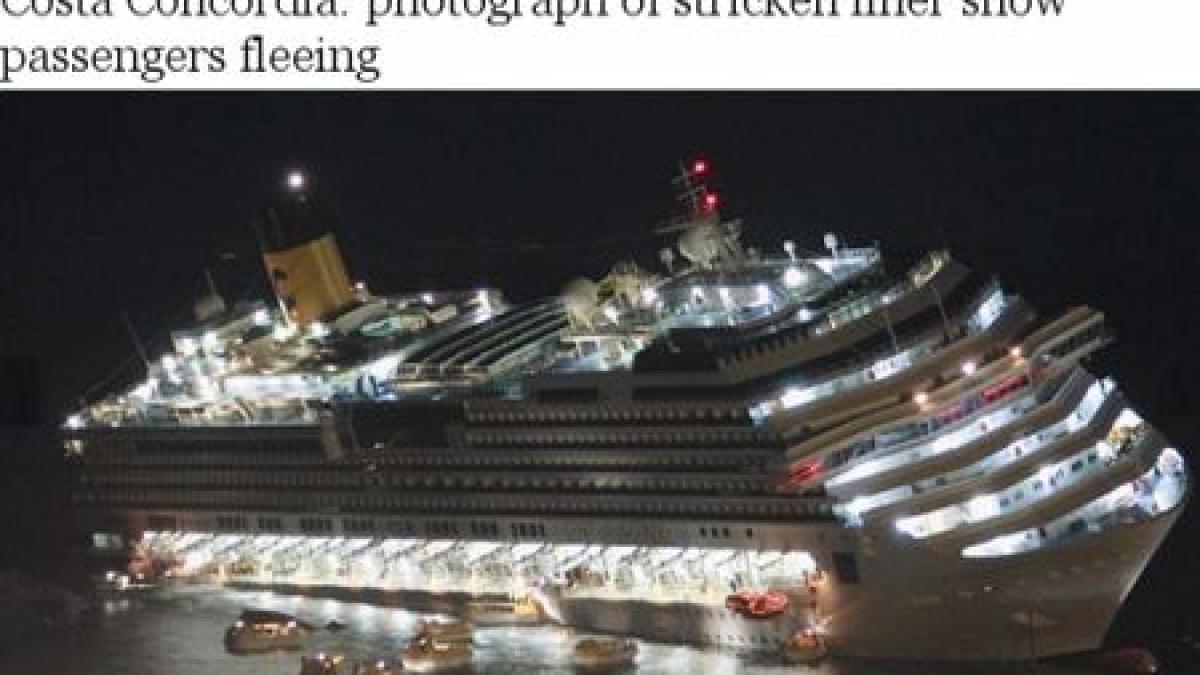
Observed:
{"x":302,"y":257}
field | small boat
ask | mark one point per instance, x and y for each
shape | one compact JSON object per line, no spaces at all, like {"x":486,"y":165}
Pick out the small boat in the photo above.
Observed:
{"x":449,"y":630}
{"x":522,"y":612}
{"x":805,"y":647}
{"x":376,"y":667}
{"x":594,"y":653}
{"x":322,"y":663}
{"x":122,"y":582}
{"x":430,"y":655}
{"x":756,"y":605}
{"x":257,"y":631}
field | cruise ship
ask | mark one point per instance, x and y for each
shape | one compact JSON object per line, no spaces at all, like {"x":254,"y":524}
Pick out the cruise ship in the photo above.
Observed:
{"x":732,"y":447}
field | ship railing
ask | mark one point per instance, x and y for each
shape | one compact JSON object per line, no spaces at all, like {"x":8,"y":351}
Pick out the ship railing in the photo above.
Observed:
{"x":917,"y":456}
{"x":1158,"y":491}
{"x":1088,"y":424}
{"x":923,"y":367}
{"x":1073,"y":491}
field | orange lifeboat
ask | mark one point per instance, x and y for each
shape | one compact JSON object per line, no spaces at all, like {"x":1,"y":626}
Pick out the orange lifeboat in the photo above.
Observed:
{"x":755,"y":605}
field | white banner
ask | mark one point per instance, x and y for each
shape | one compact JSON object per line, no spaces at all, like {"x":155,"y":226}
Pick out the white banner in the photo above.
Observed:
{"x":672,"y":44}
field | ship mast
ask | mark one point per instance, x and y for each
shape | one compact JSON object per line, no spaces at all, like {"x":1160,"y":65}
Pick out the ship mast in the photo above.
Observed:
{"x":694,"y":193}
{"x":704,"y":239}
{"x":693,"y":184}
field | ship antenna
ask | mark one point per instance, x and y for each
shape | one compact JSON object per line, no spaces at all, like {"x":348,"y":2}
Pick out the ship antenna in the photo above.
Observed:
{"x":137,"y":341}
{"x":694,"y":193}
{"x":212,"y":284}
{"x":699,"y":200}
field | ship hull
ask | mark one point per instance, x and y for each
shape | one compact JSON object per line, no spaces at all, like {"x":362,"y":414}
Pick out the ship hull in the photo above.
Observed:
{"x":909,"y":604}
{"x":1057,"y":601}
{"x":1053,"y":602}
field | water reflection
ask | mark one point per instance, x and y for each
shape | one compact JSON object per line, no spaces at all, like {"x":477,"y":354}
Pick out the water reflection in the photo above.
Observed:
{"x":179,"y":632}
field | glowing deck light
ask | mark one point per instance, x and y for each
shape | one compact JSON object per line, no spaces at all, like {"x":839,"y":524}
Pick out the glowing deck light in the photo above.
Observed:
{"x":921,"y":398}
{"x":484,"y":299}
{"x":262,"y":317}
{"x":968,"y":368}
{"x":169,"y":362}
{"x":762,"y":294}
{"x":427,"y":298}
{"x":726,"y":296}
{"x":649,"y":296}
{"x":792,"y":278}
{"x":75,"y":421}
{"x":789,"y":247}
{"x":296,"y":180}
{"x":795,"y":397}
{"x":318,"y":330}
{"x":187,"y":346}
{"x":611,"y":314}
{"x":1015,"y":352}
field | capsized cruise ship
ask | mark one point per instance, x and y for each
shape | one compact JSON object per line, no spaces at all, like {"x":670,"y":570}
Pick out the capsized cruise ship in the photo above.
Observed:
{"x":730,"y":448}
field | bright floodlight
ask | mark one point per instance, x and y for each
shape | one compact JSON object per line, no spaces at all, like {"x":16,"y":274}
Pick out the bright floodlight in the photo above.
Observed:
{"x":295,"y":180}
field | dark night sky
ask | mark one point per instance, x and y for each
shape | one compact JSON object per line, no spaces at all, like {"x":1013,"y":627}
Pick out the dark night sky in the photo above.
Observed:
{"x":118,"y":202}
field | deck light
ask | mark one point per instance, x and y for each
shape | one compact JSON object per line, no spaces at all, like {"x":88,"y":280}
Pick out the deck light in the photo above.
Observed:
{"x":921,"y":398}
{"x":968,"y":368}
{"x":789,"y":247}
{"x":296,"y":180}
{"x":1015,"y":352}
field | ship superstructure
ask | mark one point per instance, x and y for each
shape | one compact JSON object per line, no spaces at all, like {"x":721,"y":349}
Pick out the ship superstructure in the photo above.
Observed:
{"x":727,"y":449}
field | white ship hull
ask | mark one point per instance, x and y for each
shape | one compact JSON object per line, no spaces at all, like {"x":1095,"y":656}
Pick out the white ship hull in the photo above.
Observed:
{"x":946,"y":610}
{"x":908,"y":604}
{"x":920,"y":610}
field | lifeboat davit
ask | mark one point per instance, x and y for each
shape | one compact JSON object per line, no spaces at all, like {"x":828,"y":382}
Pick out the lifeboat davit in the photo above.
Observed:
{"x":755,"y":605}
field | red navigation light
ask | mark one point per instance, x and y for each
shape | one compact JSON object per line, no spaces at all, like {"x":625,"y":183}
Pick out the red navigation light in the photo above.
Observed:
{"x":710,"y":201}
{"x":699,"y":166}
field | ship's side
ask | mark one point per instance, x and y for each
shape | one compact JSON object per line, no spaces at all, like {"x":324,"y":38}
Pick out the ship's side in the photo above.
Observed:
{"x":914,"y":461}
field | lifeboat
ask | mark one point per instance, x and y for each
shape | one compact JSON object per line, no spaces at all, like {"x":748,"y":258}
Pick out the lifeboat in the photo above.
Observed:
{"x":756,"y":605}
{"x":609,"y":653}
{"x":804,"y":648}
{"x":258,"y":631}
{"x":430,"y":655}
{"x":322,"y":663}
{"x":451,"y":630}
{"x":325,"y":663}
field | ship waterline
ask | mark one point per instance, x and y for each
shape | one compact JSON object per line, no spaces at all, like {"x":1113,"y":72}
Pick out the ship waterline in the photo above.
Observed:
{"x":734,"y":450}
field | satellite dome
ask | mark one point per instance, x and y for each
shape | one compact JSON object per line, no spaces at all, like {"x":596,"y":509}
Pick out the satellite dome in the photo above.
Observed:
{"x":804,"y":277}
{"x":580,"y":298}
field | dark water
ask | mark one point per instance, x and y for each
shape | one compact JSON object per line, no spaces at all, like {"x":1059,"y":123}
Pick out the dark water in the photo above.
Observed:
{"x":179,"y":632}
